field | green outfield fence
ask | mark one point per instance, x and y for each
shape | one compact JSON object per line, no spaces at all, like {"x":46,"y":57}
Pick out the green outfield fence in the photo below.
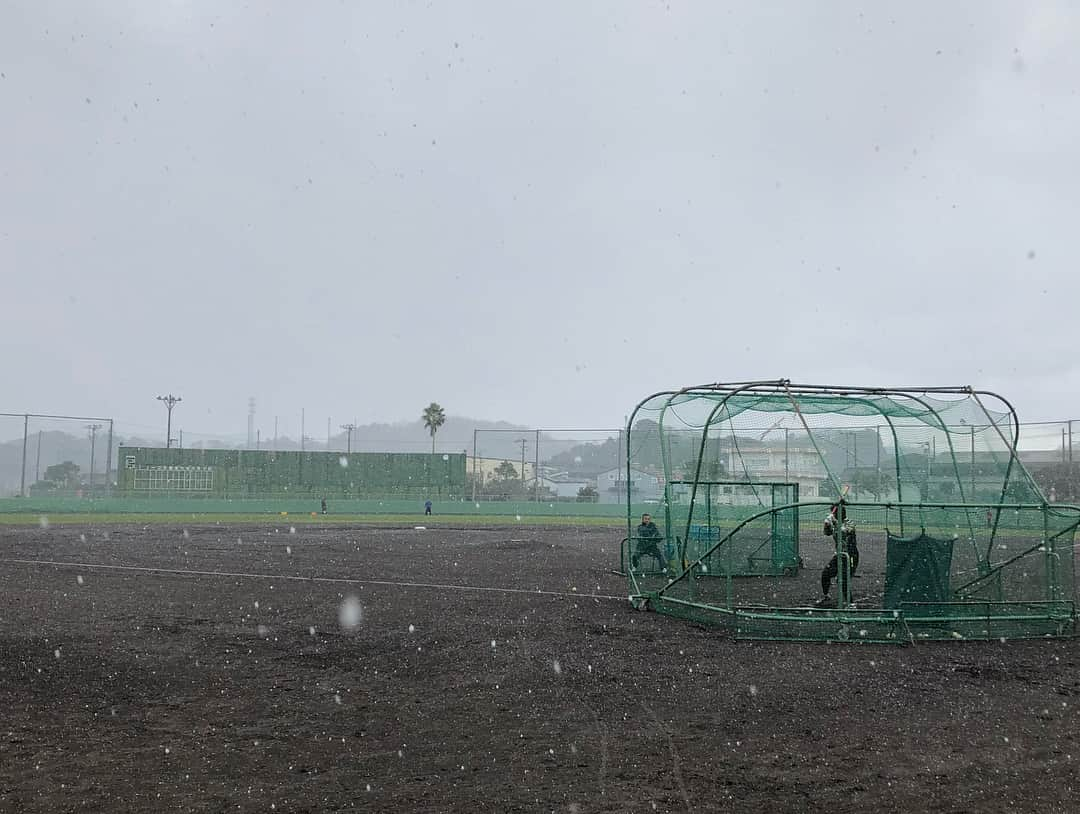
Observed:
{"x":232,"y":473}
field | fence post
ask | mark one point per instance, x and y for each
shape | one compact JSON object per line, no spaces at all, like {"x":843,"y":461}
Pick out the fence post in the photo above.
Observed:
{"x":25,"y":431}
{"x":536,"y":469}
{"x":108,"y":461}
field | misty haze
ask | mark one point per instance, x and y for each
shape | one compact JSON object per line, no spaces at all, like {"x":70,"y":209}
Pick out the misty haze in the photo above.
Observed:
{"x":600,"y":406}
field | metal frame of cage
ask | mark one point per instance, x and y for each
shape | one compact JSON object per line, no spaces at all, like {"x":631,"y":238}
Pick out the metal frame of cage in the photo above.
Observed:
{"x":979,"y":618}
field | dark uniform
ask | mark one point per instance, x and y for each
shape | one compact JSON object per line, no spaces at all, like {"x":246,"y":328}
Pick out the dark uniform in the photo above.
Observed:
{"x":837,"y":523}
{"x":648,"y":539}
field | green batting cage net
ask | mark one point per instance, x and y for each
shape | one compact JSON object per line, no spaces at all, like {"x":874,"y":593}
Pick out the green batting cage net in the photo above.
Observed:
{"x":813,"y":512}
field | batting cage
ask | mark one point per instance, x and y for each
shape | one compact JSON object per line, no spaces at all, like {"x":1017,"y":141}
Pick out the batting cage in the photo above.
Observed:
{"x":817,"y":512}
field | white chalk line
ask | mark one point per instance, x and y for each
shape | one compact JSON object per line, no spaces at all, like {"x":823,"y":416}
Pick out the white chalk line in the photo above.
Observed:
{"x":295,"y":578}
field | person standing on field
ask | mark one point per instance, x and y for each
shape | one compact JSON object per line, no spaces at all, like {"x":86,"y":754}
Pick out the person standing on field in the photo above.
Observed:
{"x":842,"y":530}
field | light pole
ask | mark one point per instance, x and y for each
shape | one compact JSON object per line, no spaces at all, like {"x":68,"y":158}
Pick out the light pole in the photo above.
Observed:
{"x":93,"y":428}
{"x":348,"y":444}
{"x":170,"y":401}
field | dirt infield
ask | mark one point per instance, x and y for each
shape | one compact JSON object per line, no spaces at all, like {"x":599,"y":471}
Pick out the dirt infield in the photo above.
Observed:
{"x":207,"y":669}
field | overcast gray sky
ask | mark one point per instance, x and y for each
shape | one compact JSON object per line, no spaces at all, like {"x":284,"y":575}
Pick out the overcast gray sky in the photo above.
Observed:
{"x":537,"y":212}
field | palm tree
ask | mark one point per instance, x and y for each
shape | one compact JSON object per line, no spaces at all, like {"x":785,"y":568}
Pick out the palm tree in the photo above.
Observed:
{"x":434,"y":417}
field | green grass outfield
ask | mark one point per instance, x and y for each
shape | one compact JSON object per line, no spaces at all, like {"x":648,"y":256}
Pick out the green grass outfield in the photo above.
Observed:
{"x":432,"y":521}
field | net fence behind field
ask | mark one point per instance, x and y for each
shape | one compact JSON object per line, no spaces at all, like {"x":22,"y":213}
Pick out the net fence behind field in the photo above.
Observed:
{"x":61,"y":454}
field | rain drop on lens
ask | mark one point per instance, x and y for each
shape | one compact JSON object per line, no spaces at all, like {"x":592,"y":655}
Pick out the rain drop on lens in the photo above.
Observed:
{"x":350,"y":613}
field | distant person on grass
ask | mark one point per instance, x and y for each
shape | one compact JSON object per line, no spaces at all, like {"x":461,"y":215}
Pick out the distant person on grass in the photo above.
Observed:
{"x":648,"y":539}
{"x":427,"y":507}
{"x":324,"y":505}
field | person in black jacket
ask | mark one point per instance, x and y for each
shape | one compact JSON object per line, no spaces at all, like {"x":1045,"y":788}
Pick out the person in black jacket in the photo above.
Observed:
{"x":648,"y":538}
{"x":837,"y":523}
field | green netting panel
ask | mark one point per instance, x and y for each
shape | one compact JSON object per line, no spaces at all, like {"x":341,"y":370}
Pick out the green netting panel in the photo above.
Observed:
{"x":771,"y":548}
{"x":916,"y":570}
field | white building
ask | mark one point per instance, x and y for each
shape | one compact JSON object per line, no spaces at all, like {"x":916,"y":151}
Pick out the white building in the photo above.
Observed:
{"x":563,"y":487}
{"x":801,"y":465}
{"x":611,"y":486}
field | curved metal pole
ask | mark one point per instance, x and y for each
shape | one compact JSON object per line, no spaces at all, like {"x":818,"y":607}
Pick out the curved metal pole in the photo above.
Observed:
{"x":1014,"y":456}
{"x":701,"y":450}
{"x":817,"y":449}
{"x":956,"y":468}
{"x":629,"y":426}
{"x":664,"y":461}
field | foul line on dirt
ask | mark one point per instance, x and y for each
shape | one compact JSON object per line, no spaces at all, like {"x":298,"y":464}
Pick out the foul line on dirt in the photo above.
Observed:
{"x":295,"y":578}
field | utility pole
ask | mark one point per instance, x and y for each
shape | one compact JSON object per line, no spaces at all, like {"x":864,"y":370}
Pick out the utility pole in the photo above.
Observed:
{"x":37,"y":469}
{"x":474,"y":464}
{"x":523,"y":442}
{"x":348,"y":443}
{"x":25,"y":432}
{"x":93,"y":428}
{"x":108,"y":459}
{"x":169,"y":401}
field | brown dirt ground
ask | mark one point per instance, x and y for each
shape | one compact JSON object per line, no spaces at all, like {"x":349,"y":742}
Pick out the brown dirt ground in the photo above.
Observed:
{"x":138,"y":690}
